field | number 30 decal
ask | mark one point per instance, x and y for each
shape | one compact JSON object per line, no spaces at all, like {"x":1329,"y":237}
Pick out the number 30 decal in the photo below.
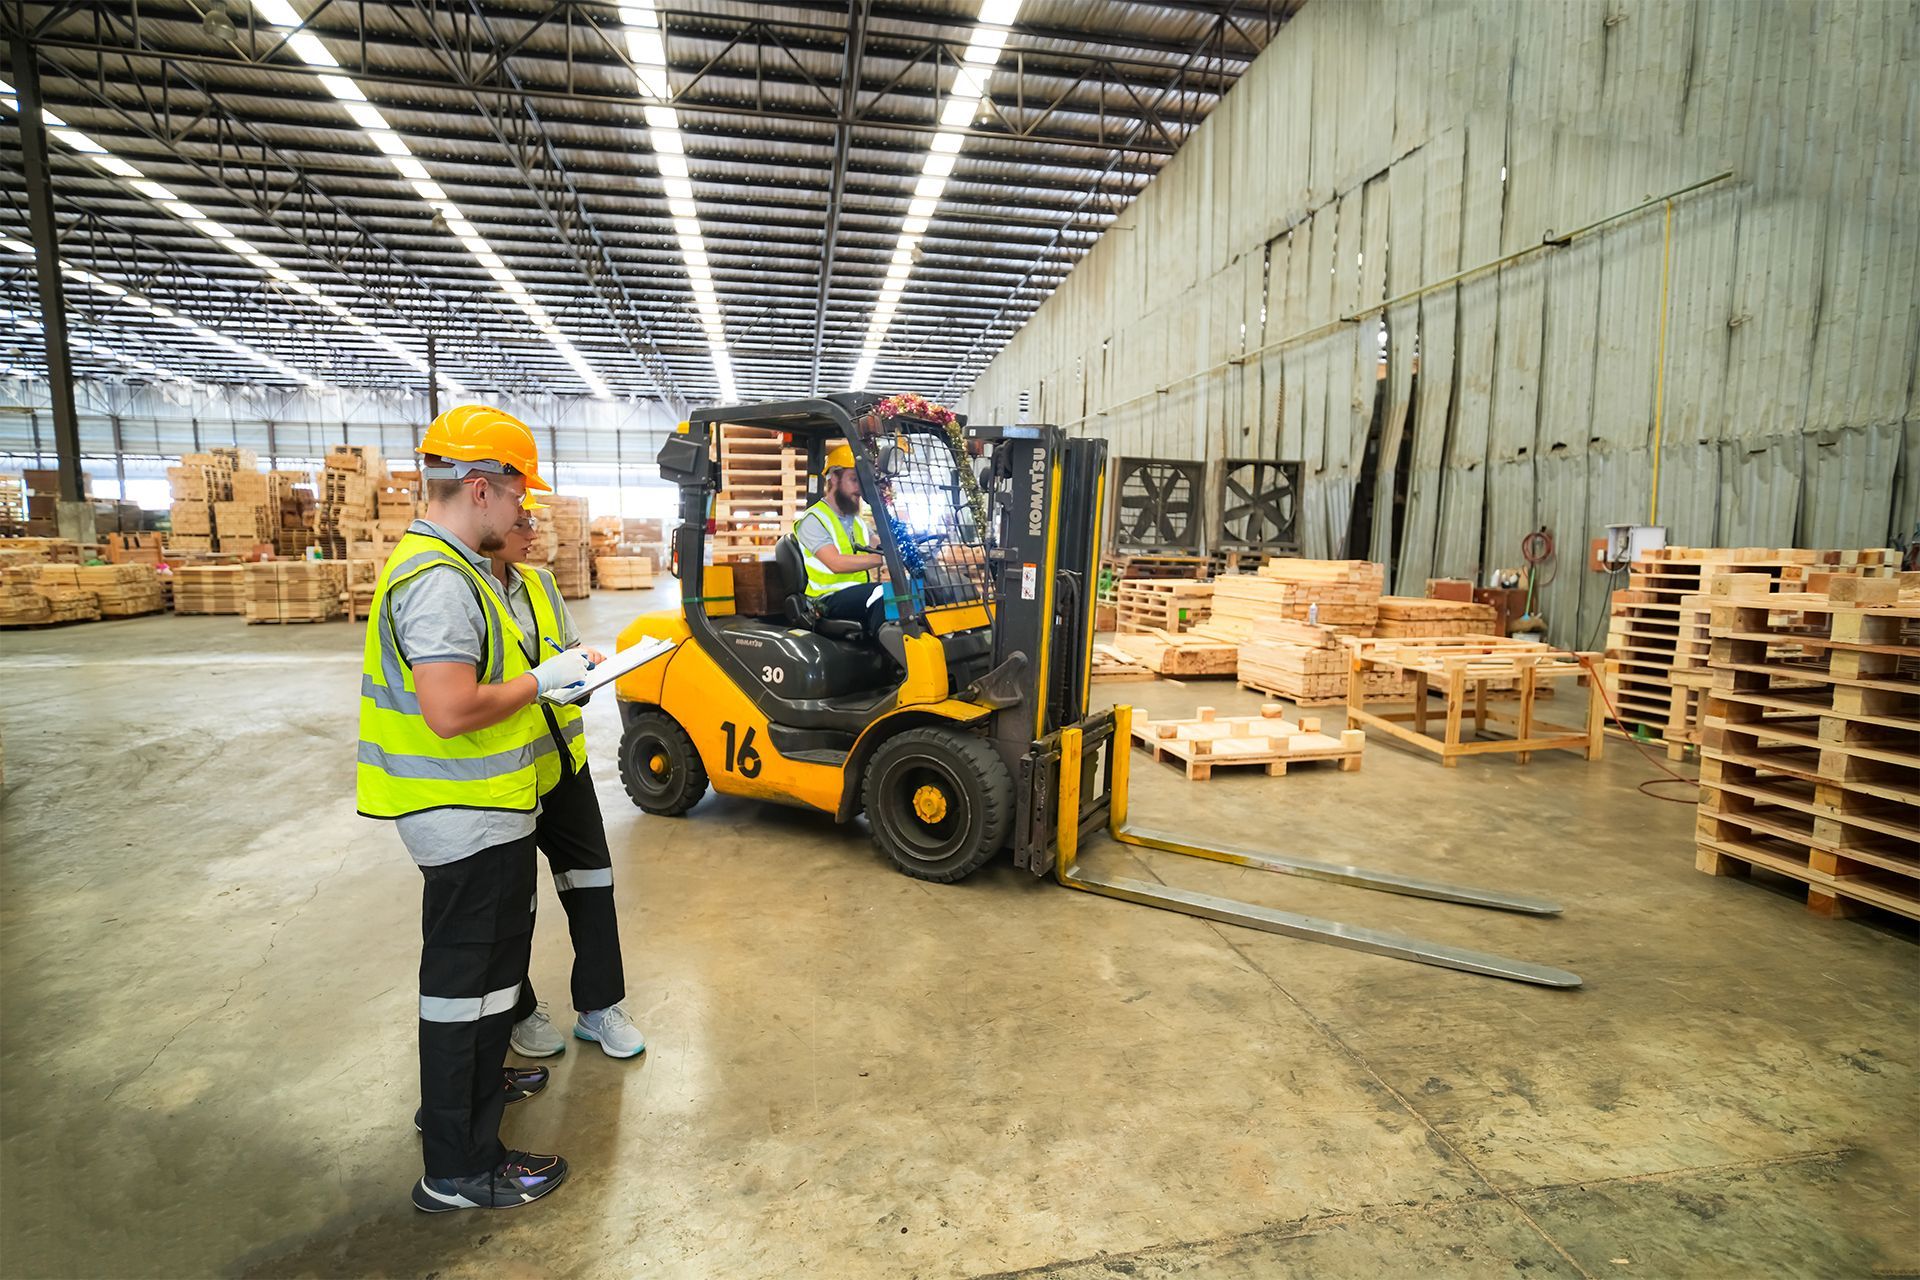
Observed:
{"x":744,"y":761}
{"x":773,"y":675}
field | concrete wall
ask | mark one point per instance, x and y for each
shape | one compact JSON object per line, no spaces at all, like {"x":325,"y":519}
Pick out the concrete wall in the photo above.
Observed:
{"x":1379,"y":147}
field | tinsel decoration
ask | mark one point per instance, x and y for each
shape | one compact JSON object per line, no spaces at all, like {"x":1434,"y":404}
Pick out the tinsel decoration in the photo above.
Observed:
{"x":909,"y":405}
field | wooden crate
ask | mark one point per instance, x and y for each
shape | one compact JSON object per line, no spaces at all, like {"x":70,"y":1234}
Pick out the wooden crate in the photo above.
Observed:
{"x":282,"y":591}
{"x":209,"y":588}
{"x":1268,"y":740}
{"x":1161,"y":604}
{"x":624,"y":573}
{"x":1811,"y":757}
{"x":1460,"y":670}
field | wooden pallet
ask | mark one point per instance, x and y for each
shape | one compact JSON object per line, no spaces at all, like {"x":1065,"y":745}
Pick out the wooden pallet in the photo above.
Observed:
{"x":1461,"y":669}
{"x":1111,"y":665}
{"x":1268,"y":740}
{"x":1161,"y":604}
{"x":1811,"y":762}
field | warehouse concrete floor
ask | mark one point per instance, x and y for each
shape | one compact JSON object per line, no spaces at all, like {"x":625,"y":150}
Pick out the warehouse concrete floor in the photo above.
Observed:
{"x":208,"y":1025}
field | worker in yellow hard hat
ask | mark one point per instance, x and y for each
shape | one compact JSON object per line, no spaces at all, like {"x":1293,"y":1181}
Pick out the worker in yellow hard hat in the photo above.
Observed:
{"x":457,"y":749}
{"x":833,"y":538}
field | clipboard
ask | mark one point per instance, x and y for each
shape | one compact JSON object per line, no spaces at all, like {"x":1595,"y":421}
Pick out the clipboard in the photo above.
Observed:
{"x":631,"y":658}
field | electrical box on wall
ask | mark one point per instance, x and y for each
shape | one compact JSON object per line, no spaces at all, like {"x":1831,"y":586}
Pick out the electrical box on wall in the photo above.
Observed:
{"x":1624,"y":544}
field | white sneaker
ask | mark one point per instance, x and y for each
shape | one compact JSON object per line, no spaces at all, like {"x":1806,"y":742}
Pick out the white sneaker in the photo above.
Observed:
{"x":613,"y":1029}
{"x":535,"y":1036}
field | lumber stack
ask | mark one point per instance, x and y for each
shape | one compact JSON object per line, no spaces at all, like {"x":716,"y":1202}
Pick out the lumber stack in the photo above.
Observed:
{"x":624,"y":573}
{"x":1309,"y":666}
{"x":112,"y":590}
{"x":1161,"y":604}
{"x":763,"y":490}
{"x":1192,"y":653}
{"x":393,"y":501}
{"x":572,"y":558}
{"x":351,"y":477}
{"x":1113,"y":665}
{"x":22,"y":605}
{"x":209,"y":588}
{"x":1810,"y":765}
{"x":18,"y":551}
{"x":295,"y":590}
{"x":290,"y":500}
{"x":1657,"y":624}
{"x":1412,"y":616}
{"x":1342,"y":594}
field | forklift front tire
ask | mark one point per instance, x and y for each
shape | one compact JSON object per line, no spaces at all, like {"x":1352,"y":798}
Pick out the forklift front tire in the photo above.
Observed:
{"x":661,"y":769}
{"x":939,"y":802}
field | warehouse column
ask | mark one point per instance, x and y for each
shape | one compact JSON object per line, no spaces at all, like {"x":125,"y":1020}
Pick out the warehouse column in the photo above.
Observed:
{"x":75,"y":514}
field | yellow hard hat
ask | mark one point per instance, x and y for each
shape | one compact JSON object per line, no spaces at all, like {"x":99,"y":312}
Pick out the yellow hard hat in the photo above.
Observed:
{"x":528,"y":504}
{"x":841,"y":455}
{"x":481,"y":433}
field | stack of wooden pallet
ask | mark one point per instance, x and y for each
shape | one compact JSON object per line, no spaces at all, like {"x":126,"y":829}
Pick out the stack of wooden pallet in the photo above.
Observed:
{"x":572,"y":562}
{"x":1657,"y":625}
{"x":1810,"y":765}
{"x":624,"y":573}
{"x":351,"y":477}
{"x":763,"y":489}
{"x":1268,"y":740}
{"x":1113,"y":665}
{"x":373,"y":525}
{"x":1411,"y":616}
{"x":295,"y":590}
{"x":13,"y":506}
{"x":244,"y":519}
{"x":210,"y":588}
{"x":290,"y":499}
{"x":1161,"y":604}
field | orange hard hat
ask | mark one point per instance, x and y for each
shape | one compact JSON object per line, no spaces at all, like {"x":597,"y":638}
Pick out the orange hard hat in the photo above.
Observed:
{"x":481,"y":433}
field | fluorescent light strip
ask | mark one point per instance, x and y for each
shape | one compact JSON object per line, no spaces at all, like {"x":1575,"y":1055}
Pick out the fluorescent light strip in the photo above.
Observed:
{"x":88,"y":346}
{"x":989,"y":38}
{"x":354,"y":102}
{"x":646,"y":49}
{"x":167,"y":201}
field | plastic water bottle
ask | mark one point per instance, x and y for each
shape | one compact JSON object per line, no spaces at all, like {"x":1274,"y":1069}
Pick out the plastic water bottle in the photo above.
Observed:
{"x":1313,"y":612}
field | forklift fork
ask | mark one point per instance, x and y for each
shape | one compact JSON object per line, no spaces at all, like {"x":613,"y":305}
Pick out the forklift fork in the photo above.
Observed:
{"x":1075,"y":818}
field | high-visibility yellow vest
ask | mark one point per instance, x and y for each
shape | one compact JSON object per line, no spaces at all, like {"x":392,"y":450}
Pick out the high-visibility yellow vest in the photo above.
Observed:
{"x":822,"y":581}
{"x":404,"y":766}
{"x":544,"y":593}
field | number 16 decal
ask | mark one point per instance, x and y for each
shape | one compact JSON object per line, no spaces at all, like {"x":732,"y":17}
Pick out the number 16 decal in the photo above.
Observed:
{"x":744,"y":761}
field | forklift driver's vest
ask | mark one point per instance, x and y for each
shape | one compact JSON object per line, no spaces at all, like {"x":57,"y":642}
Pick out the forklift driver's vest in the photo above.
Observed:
{"x":822,"y":581}
{"x":404,"y":766}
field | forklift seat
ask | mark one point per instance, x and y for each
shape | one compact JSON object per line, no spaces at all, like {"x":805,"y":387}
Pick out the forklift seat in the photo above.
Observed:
{"x":802,"y":610}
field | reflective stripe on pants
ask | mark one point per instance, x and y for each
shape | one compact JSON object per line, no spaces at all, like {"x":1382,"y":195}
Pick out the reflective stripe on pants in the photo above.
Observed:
{"x":570,"y":832}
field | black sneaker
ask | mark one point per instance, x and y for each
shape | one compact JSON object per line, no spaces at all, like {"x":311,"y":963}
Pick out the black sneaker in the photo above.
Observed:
{"x":520,"y":1083}
{"x":521,"y":1179}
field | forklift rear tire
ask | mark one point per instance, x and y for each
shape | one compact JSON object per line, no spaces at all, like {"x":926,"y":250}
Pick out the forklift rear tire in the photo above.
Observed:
{"x":662,"y":771}
{"x":940,"y":803}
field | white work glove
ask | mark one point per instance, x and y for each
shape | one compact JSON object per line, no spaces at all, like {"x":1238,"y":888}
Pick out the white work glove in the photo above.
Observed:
{"x":563,"y":670}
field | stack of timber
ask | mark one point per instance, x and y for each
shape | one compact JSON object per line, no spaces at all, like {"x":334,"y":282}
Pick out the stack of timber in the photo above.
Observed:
{"x":1113,"y":665}
{"x":1462,"y":670}
{"x":396,"y":500}
{"x":763,"y":492}
{"x":1402,"y":617}
{"x":24,"y":605}
{"x":1656,"y":625}
{"x":89,"y":591}
{"x":1161,"y":604}
{"x":15,"y":551}
{"x":623,"y":573}
{"x":1193,"y":653}
{"x":1811,"y":761}
{"x":209,"y":588}
{"x":351,"y":477}
{"x":1341,"y":594}
{"x":1306,"y":663}
{"x":572,"y":561}
{"x":295,"y":590}
{"x":1268,"y":740}
{"x":362,"y":577}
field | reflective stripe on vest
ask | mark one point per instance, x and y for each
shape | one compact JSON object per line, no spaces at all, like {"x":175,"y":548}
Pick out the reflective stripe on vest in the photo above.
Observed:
{"x":543,"y":593}
{"x":404,"y":766}
{"x":822,"y":581}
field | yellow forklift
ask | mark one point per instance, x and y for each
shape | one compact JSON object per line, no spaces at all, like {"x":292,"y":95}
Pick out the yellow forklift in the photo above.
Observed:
{"x":964,"y":730}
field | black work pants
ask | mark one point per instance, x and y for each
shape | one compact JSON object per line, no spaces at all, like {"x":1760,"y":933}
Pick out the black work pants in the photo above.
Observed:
{"x":863,"y":602}
{"x":476,"y":930}
{"x":570,"y":832}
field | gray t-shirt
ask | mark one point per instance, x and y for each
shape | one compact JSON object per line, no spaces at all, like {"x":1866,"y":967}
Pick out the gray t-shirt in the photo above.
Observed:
{"x":814,"y":534}
{"x":437,"y":618}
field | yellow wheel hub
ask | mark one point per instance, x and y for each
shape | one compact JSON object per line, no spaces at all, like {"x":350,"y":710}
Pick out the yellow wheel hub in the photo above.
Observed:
{"x":929,"y":803}
{"x":657,"y":762}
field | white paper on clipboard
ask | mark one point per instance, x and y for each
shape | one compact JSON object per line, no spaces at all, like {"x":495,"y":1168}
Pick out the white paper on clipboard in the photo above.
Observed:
{"x":631,"y":658}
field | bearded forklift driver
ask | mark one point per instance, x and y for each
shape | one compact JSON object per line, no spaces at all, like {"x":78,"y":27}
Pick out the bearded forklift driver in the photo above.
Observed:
{"x":831,"y":535}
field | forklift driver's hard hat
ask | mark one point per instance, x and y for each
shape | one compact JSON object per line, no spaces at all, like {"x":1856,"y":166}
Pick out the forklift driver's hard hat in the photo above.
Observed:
{"x":481,"y":433}
{"x":840,"y":456}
